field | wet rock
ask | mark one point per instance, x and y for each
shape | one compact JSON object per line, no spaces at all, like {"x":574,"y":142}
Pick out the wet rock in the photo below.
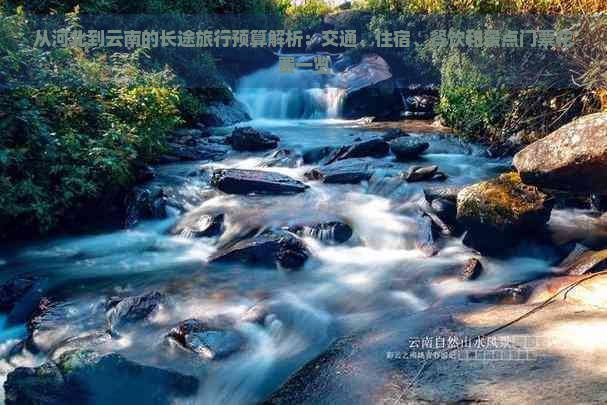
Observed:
{"x":589,"y":291}
{"x":505,"y":296}
{"x":204,"y":226}
{"x":425,"y":241}
{"x":315,"y":155}
{"x":424,"y":173}
{"x":406,"y":149}
{"x":394,"y":133}
{"x":42,"y":385}
{"x":375,"y":147}
{"x":282,"y":158}
{"x":498,"y":212}
{"x":145,"y":203}
{"x":124,"y":311}
{"x":270,"y":249}
{"x":88,"y":377}
{"x":13,"y":290}
{"x":251,"y":139}
{"x":349,"y":171}
{"x":446,"y":210}
{"x":448,"y":193}
{"x":582,"y":261}
{"x":437,"y":222}
{"x":328,"y":232}
{"x":369,"y":89}
{"x":574,"y":157}
{"x":212,"y":340}
{"x":241,"y":181}
{"x":225,"y":114}
{"x":472,"y":269}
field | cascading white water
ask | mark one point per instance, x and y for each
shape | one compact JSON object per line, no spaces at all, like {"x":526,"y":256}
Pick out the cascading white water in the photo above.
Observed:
{"x":302,"y":94}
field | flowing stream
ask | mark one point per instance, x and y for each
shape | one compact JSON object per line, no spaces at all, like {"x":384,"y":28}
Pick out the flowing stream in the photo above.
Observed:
{"x":342,"y":289}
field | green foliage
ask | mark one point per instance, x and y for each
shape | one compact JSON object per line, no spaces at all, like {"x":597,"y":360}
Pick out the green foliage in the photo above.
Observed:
{"x":62,"y":146}
{"x":467,"y":103}
{"x":307,"y":15}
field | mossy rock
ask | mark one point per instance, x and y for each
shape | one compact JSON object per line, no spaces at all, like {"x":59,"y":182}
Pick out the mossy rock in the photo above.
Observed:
{"x":499,"y":211}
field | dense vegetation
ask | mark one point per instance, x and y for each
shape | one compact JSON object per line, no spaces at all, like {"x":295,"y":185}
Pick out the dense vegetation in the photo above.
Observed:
{"x":63,"y":147}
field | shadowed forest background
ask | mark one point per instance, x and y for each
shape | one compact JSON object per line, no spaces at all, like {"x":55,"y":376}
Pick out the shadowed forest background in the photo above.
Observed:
{"x":65,"y":150}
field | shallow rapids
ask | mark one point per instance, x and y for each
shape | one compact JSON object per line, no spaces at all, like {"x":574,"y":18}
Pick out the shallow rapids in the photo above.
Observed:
{"x":342,"y":289}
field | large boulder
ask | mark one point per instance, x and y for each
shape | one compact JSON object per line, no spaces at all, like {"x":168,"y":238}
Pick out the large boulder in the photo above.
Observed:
{"x":349,"y":171}
{"x":88,"y":377}
{"x":225,"y":114}
{"x":251,"y":139}
{"x":42,"y":385}
{"x":572,"y":158}
{"x":497,"y":212}
{"x":242,"y":181}
{"x":269,"y":249}
{"x":369,"y":89}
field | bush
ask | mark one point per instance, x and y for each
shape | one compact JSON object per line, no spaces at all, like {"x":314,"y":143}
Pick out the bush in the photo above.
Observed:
{"x":63,"y":146}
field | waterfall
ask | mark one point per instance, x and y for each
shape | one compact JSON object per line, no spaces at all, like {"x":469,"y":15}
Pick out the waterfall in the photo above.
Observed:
{"x":300,"y":95}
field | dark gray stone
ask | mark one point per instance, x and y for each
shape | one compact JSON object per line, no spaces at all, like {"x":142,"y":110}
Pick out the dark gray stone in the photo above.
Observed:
{"x":241,"y":181}
{"x":408,"y":148}
{"x":375,"y":147}
{"x":85,"y":377}
{"x":421,"y":173}
{"x":268,"y":249}
{"x":251,"y":139}
{"x":350,"y":171}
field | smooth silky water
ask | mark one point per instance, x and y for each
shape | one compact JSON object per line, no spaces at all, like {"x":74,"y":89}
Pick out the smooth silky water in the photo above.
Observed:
{"x":341,"y":290}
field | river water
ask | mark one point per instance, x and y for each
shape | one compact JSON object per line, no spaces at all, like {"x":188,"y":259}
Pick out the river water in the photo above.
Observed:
{"x":342,"y":289}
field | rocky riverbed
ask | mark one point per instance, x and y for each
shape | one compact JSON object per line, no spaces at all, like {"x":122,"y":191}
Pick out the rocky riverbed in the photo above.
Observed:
{"x":285,"y":261}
